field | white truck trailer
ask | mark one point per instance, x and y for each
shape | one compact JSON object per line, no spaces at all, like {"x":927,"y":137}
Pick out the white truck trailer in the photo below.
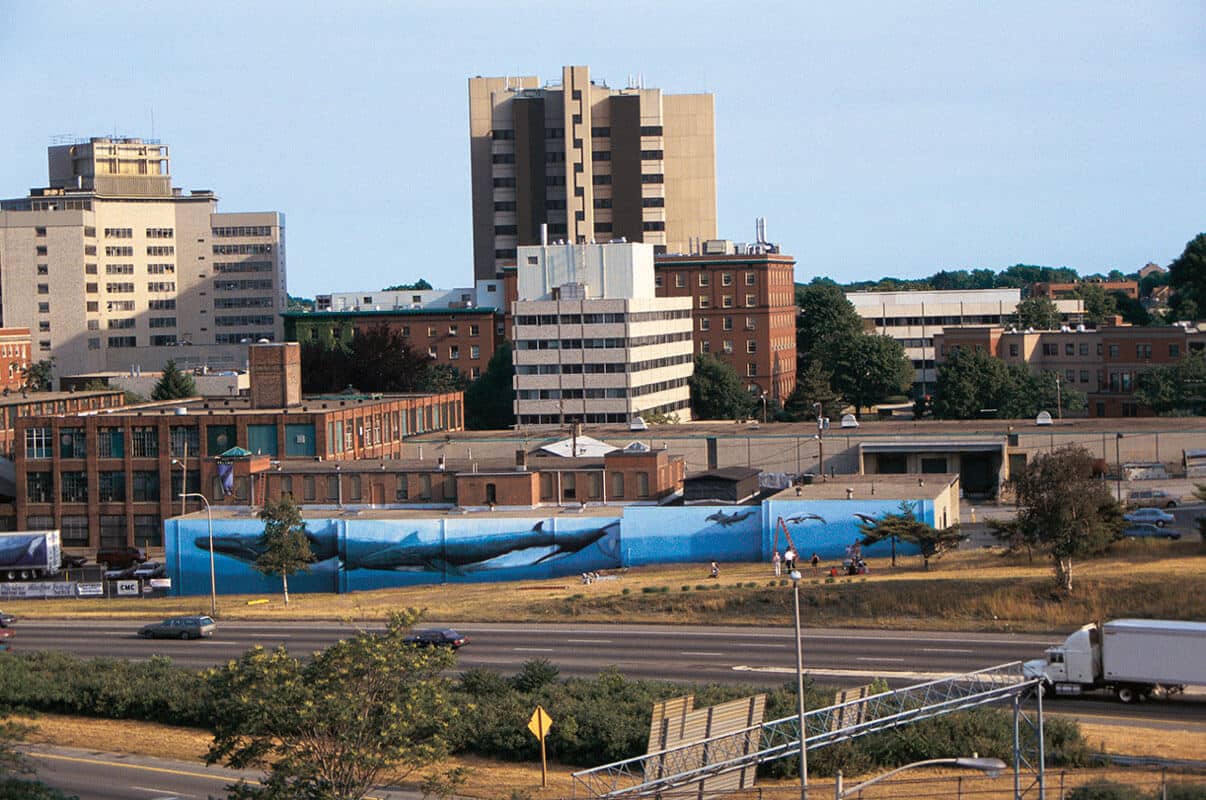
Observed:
{"x":29,"y":555}
{"x":1134,"y":658}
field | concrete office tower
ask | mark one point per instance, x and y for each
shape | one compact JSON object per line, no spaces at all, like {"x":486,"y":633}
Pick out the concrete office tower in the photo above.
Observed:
{"x":592,"y":341}
{"x":592,"y":162}
{"x":112,"y":268}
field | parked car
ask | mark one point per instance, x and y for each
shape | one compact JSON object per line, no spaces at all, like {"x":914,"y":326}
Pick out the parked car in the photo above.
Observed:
{"x":1146,"y":530}
{"x":1150,"y":498}
{"x":72,"y":561}
{"x":179,"y":628}
{"x":438,"y":637}
{"x":149,"y":569}
{"x":6,"y":619}
{"x":120,"y":574}
{"x":120,"y":557}
{"x":1151,"y":515}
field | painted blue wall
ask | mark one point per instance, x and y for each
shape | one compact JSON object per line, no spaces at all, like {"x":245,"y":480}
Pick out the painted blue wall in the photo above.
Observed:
{"x":361,"y":554}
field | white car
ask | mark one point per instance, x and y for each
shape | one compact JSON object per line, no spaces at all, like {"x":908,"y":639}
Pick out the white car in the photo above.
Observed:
{"x":1153,"y":516}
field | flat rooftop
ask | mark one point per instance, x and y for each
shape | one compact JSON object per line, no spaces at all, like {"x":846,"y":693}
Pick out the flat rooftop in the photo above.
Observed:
{"x":332,"y":511}
{"x":242,"y":405}
{"x":878,"y":487}
{"x":16,"y":398}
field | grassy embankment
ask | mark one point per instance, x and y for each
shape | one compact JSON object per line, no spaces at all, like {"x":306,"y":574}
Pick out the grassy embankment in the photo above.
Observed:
{"x":973,"y":591}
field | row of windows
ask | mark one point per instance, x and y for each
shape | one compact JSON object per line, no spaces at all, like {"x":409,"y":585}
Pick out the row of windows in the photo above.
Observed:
{"x":241,"y":249}
{"x":597,"y":319}
{"x":243,"y":302}
{"x":161,"y":250}
{"x":148,"y":528}
{"x":727,"y":301}
{"x":161,"y":286}
{"x":110,"y":488}
{"x":242,"y":230}
{"x":242,"y":266}
{"x":223,"y":285}
{"x":119,"y":269}
{"x":119,"y":251}
{"x":601,"y":343}
{"x":161,"y":269}
{"x":705,"y":323}
{"x":163,"y":322}
{"x":601,"y":369}
{"x":242,"y":337}
{"x":160,"y":233}
{"x":239,"y":321}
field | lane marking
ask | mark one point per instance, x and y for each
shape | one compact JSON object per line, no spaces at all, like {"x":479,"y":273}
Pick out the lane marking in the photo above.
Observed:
{"x":776,"y":646}
{"x":164,"y":794}
{"x":698,"y":653}
{"x":143,"y":767}
{"x":589,"y":641}
{"x":944,"y":650}
{"x":532,"y":649}
{"x":851,"y":673}
{"x":871,"y":658}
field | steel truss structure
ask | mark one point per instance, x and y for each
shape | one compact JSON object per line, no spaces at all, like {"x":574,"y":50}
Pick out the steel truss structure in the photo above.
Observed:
{"x":663,"y":772}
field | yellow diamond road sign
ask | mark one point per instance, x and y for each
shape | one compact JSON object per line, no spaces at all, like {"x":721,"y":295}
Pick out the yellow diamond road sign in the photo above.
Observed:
{"x":540,"y":722}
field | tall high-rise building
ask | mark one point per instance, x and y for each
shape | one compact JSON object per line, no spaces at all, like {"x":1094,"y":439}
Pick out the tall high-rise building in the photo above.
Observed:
{"x":591,"y":162}
{"x":112,"y":268}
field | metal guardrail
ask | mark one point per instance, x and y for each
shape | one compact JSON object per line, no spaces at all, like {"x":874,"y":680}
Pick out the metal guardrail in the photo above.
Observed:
{"x":665,"y":770}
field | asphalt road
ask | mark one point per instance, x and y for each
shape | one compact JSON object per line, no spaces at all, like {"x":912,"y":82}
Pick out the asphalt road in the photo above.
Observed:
{"x":96,"y":775}
{"x":759,"y":656}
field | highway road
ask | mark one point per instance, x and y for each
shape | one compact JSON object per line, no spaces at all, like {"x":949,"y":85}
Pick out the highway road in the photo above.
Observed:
{"x":762,"y":656}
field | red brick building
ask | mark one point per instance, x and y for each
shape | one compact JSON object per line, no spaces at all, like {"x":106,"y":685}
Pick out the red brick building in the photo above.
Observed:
{"x":744,"y":311}
{"x":15,"y":356}
{"x":1103,"y":363}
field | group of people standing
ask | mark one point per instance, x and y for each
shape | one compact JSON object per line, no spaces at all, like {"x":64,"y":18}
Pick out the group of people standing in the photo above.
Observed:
{"x":788,"y":560}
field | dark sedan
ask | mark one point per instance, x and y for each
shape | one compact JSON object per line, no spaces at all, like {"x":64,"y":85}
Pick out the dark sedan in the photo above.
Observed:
{"x":438,"y":637}
{"x":6,"y":619}
{"x":179,"y":628}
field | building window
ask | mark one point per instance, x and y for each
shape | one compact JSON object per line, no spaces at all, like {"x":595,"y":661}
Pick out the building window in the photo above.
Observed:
{"x":617,"y":485}
{"x":705,"y":324}
{"x":1143,"y":352}
{"x":1069,"y":349}
{"x":475,"y":351}
{"x":1174,"y":351}
{"x":1084,"y":376}
{"x":1050,"y":349}
{"x":1084,"y":348}
{"x":751,"y":346}
{"x":750,"y":323}
{"x":1070,"y":375}
{"x":727,"y":323}
{"x":111,"y":487}
{"x":72,"y":443}
{"x":642,"y":484}
{"x":148,"y":530}
{"x":110,"y":443}
{"x":1115,"y":351}
{"x":750,"y":301}
{"x":751,"y":369}
{"x":680,"y":280}
{"x":726,"y":279}
{"x":39,"y":487}
{"x":703,"y":279}
{"x":145,"y":441}
{"x":705,"y":301}
{"x":727,"y":346}
{"x":1013,"y":350}
{"x":145,"y":485}
{"x":705,"y":346}
{"x":38,"y":443}
{"x":74,"y":530}
{"x":74,"y":487}
{"x":727,"y":301}
{"x":750,"y":279}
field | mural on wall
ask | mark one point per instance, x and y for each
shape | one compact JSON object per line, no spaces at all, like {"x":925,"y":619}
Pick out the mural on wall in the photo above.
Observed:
{"x":829,"y":527}
{"x":359,"y":554}
{"x":685,"y":534}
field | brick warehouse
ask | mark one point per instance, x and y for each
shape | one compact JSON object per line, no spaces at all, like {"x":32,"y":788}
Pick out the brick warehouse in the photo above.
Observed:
{"x":109,"y":477}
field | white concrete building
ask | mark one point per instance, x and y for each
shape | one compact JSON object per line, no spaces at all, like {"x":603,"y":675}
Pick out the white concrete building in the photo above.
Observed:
{"x":593,"y":343}
{"x":483,"y":294}
{"x":113,"y":268}
{"x":912,"y":318}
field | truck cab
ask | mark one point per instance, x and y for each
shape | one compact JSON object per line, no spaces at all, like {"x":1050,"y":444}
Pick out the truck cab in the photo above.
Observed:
{"x":1072,"y":666}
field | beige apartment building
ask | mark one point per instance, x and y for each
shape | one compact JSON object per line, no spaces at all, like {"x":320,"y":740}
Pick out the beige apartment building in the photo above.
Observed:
{"x":591,"y":162}
{"x":592,"y":341}
{"x":113,"y":268}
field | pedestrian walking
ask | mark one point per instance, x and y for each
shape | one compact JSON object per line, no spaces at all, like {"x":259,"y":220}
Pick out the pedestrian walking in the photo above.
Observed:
{"x":789,"y":559}
{"x":715,"y":570}
{"x":816,"y":563}
{"x":777,"y":563}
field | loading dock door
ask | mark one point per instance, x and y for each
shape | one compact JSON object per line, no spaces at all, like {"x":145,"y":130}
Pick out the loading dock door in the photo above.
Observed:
{"x":976,"y":474}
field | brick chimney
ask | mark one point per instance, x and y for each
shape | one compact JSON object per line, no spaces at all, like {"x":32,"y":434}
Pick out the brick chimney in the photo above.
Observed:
{"x":274,"y":371}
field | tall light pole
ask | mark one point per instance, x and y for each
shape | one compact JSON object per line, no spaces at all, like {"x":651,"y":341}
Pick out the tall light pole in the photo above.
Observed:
{"x":795,"y":583}
{"x":213,"y":582}
{"x":183,"y":478}
{"x":764,"y":408}
{"x":1118,"y":464}
{"x":818,"y":408}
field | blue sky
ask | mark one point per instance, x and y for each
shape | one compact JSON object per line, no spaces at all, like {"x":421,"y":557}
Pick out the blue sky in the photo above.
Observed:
{"x":878,"y":138}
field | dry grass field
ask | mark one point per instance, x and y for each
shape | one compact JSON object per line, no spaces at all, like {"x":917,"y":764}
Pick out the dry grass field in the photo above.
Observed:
{"x":974,"y":591}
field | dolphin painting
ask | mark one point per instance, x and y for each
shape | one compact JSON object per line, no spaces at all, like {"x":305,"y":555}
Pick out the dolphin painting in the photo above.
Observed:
{"x":459,"y":553}
{"x":246,"y":547}
{"x":866,"y":519}
{"x":804,"y":518}
{"x":732,"y":519}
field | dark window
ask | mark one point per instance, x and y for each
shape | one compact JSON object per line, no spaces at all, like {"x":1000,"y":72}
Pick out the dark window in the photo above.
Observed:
{"x":503,"y":158}
{"x":504,"y":183}
{"x":600,"y":131}
{"x":653,"y":226}
{"x":651,"y":130}
{"x":601,"y":180}
{"x":502,"y":134}
{"x":653,"y":178}
{"x":652,"y":155}
{"x":600,"y":155}
{"x":146,"y":486}
{"x":653,"y":202}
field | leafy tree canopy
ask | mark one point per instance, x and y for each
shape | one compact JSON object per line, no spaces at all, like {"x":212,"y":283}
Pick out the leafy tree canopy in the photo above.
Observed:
{"x":489,"y":400}
{"x":1187,"y":277}
{"x":868,"y":369}
{"x":825,"y":316}
{"x":814,"y":385}
{"x":972,"y":384}
{"x":284,"y":546}
{"x":39,"y":376}
{"x":379,"y":359}
{"x":716,"y":390}
{"x":1039,"y":313}
{"x":1100,"y":305}
{"x":418,"y":285}
{"x":1178,"y":388}
{"x":330,"y":726}
{"x":173,"y":384}
{"x":299,"y":303}
{"x":905,"y":527}
{"x":1063,"y":510}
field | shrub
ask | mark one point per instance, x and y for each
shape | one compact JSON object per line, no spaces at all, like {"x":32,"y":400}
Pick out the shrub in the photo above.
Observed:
{"x":1105,"y":790}
{"x":14,"y":789}
{"x":686,"y":588}
{"x":626,"y":591}
{"x":1183,"y":791}
{"x":535,"y":674}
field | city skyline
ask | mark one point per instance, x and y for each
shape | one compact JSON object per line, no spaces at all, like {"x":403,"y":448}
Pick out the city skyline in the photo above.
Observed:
{"x":876,"y":142}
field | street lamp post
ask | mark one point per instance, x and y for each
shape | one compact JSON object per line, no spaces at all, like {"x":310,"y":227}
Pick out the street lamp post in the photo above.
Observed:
{"x":989,"y":766}
{"x":1118,"y":465}
{"x":213,"y":582}
{"x":763,"y":408}
{"x":183,"y":480}
{"x":795,"y":582}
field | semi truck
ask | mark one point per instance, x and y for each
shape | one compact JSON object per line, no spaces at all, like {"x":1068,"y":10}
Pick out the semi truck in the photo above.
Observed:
{"x":1133,"y":658}
{"x":29,"y":555}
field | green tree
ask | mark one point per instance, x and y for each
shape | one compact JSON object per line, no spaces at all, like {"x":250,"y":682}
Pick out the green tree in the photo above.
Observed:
{"x":39,"y":376}
{"x":1178,"y":388}
{"x":173,"y":384}
{"x":826,"y":316}
{"x":1065,"y":511}
{"x":441,"y":378}
{"x":716,"y":390}
{"x":285,"y":548}
{"x":490,"y":400}
{"x":419,"y":285}
{"x":972,"y":383}
{"x":299,"y":303}
{"x":383,"y":361}
{"x":1100,"y":305}
{"x":331,"y":725}
{"x":905,"y":527}
{"x":1039,"y":313}
{"x":869,"y":369}
{"x":1187,"y":277}
{"x":1130,"y":309}
{"x":814,"y":385}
